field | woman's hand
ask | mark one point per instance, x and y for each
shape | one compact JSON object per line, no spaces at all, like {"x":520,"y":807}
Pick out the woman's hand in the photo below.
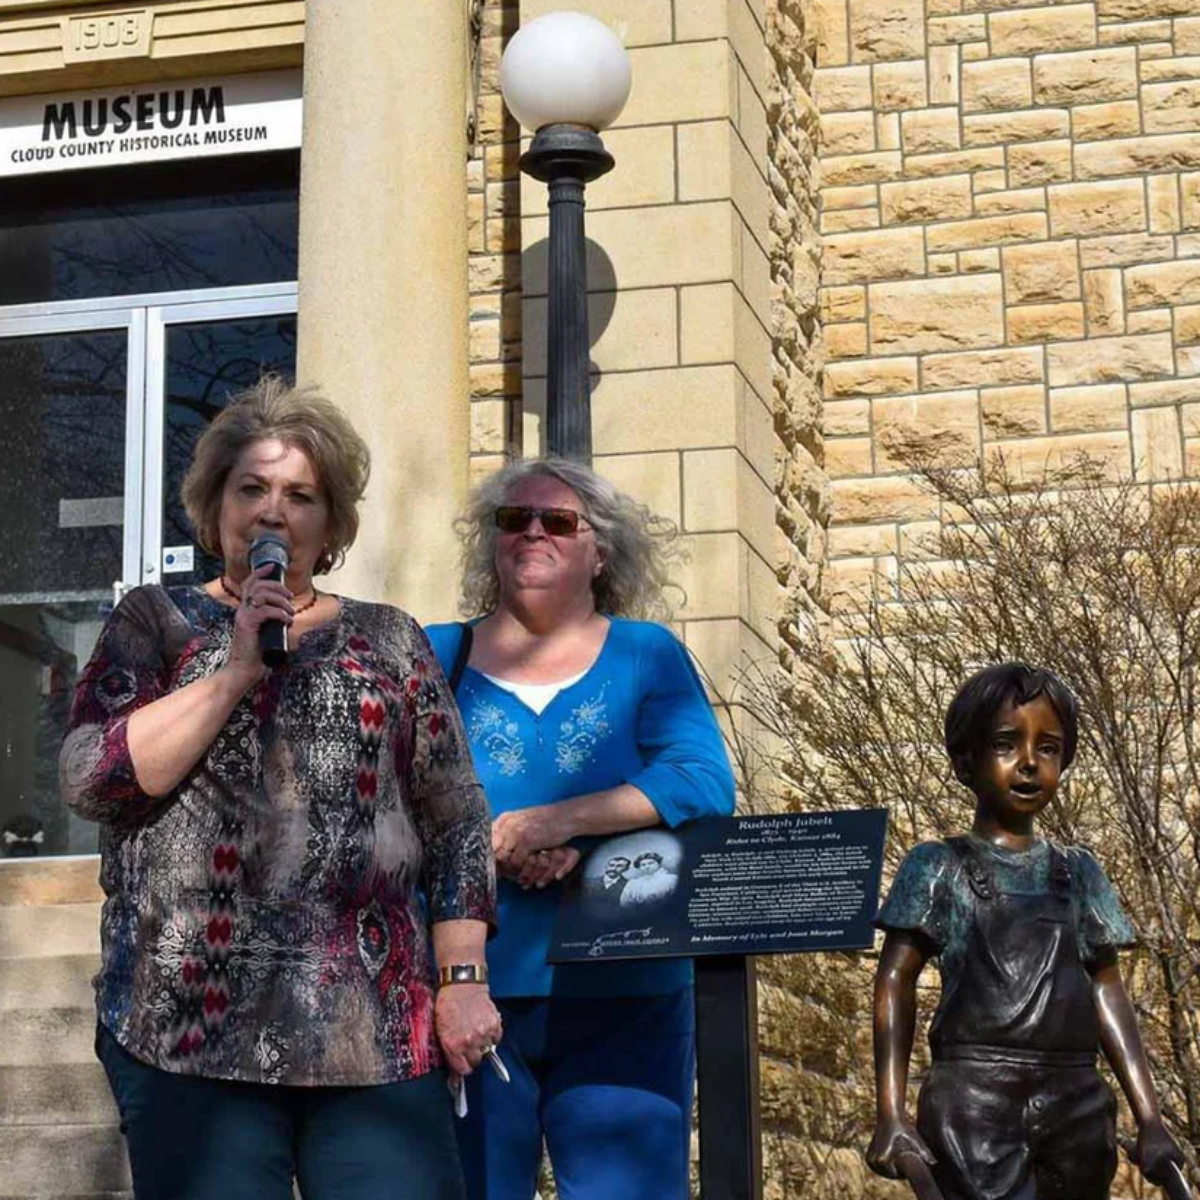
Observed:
{"x":262,"y":600}
{"x":542,"y":868}
{"x":168,"y":736}
{"x":523,"y":832}
{"x":1156,"y":1150}
{"x":467,"y":1024}
{"x":893,"y":1140}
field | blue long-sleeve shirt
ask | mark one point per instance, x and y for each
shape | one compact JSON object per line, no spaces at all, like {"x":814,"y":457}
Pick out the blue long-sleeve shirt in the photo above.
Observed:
{"x":638,"y":716}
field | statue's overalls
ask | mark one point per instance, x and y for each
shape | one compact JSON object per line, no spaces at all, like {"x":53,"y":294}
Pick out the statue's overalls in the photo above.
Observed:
{"x":1013,"y":1107}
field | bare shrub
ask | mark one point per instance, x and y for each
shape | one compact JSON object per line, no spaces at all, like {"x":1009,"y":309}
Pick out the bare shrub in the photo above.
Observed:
{"x":1100,"y":581}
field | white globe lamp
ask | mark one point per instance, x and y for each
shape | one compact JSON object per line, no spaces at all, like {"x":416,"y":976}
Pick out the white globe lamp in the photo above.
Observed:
{"x":565,"y":68}
{"x":565,"y":76}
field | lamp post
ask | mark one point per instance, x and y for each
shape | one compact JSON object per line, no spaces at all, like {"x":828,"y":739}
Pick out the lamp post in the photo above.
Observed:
{"x":565,"y":76}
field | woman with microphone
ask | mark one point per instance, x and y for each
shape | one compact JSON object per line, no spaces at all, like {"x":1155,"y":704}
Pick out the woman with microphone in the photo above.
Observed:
{"x":278,"y":844}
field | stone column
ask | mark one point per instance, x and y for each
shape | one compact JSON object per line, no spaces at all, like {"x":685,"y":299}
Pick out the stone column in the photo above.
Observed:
{"x":383,"y":276}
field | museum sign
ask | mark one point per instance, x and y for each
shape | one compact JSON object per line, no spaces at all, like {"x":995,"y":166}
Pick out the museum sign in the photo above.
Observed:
{"x":150,"y":123}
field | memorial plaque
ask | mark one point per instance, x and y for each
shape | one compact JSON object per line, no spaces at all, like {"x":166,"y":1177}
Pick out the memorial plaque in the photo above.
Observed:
{"x":737,"y":885}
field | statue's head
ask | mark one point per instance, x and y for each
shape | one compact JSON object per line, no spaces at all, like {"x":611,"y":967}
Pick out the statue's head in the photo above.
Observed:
{"x":972,"y":714}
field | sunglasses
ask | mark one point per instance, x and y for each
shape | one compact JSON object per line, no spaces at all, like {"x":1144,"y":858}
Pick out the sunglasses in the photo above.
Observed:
{"x":557,"y":522}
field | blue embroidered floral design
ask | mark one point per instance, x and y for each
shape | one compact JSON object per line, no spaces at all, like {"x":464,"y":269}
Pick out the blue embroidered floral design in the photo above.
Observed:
{"x":499,"y":737}
{"x":578,"y":736}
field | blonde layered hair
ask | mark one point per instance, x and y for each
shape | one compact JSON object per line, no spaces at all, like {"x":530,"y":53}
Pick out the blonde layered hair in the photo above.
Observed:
{"x":637,"y":547}
{"x":298,"y":417}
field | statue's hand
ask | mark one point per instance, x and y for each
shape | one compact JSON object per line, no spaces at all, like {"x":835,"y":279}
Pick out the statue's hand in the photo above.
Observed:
{"x":892,"y":1140}
{"x":1156,"y":1150}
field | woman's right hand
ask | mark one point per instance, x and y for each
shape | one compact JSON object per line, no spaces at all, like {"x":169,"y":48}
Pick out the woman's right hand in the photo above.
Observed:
{"x":893,"y":1139}
{"x":467,"y":1025}
{"x":262,"y":600}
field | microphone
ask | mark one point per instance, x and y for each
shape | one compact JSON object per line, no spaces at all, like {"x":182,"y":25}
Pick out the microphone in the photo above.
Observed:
{"x":270,"y":549}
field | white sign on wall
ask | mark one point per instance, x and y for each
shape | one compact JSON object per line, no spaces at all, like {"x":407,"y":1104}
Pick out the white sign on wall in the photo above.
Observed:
{"x":150,"y":122}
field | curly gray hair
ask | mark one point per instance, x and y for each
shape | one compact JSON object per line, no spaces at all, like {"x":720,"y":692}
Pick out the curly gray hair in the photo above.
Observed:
{"x":637,"y":546}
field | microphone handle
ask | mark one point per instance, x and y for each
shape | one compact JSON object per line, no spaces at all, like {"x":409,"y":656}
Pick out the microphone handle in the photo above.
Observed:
{"x":272,"y":635}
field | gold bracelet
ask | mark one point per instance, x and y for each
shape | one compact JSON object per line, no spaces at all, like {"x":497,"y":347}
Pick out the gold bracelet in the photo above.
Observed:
{"x":463,"y":973}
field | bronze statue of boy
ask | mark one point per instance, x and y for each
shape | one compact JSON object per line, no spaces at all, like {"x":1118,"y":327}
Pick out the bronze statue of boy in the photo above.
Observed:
{"x":1026,"y":934}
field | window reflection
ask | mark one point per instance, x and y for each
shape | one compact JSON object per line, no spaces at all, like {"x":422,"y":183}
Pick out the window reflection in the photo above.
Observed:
{"x":63,"y":397}
{"x":62,"y":483}
{"x":42,"y":649}
{"x":206,"y":364}
{"x":62,"y":462}
{"x":154,"y":228}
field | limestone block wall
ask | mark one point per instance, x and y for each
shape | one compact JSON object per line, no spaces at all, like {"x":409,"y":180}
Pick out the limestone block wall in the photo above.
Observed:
{"x":493,"y":244}
{"x":703,"y":281}
{"x":802,"y":488}
{"x":683,"y":308}
{"x":175,"y":38}
{"x":1010,"y":205}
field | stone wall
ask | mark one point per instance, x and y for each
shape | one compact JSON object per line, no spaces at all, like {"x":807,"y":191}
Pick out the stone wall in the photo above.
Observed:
{"x":1010,"y":216}
{"x":494,"y":244}
{"x":686,"y":401}
{"x":176,"y":39}
{"x":815,"y":1095}
{"x":703,"y":268}
{"x":1011,"y":208}
{"x":801,"y":486}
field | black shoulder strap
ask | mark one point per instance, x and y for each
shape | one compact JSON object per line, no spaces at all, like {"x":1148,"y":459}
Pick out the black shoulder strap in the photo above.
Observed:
{"x":978,"y":872}
{"x":461,"y":656}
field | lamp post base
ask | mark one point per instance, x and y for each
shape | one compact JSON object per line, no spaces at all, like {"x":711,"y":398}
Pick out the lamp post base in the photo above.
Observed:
{"x":567,"y":157}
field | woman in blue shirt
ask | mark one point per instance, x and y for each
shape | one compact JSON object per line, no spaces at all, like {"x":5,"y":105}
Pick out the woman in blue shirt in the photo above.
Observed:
{"x":583,"y":722}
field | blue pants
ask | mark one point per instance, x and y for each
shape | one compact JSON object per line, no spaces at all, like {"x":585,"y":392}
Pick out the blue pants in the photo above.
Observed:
{"x":192,"y":1138}
{"x":607,"y":1082}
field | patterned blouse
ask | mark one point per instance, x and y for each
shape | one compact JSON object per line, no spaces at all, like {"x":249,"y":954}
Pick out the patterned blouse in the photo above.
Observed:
{"x":267,"y":921}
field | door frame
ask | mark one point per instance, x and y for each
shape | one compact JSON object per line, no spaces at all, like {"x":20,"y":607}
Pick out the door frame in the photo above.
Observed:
{"x":159,"y":317}
{"x":145,"y":318}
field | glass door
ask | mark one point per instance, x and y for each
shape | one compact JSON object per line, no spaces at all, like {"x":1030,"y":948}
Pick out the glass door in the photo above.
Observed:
{"x":101,"y":404}
{"x":70,"y":473}
{"x":198,"y":356}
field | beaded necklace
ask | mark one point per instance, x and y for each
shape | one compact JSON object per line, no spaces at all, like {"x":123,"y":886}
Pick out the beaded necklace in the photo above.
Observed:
{"x":235,"y":595}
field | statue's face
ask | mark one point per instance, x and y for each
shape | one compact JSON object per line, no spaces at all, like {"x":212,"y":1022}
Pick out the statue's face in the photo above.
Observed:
{"x":1017,"y":772}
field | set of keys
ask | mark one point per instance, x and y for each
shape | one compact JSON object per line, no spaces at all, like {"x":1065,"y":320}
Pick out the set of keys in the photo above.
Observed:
{"x":459,"y":1091}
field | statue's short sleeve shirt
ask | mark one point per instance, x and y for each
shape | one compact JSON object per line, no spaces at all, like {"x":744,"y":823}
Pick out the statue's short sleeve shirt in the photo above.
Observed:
{"x":931,"y":895}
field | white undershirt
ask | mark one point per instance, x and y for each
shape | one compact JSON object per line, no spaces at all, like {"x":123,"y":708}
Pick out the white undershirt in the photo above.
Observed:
{"x":534,"y":695}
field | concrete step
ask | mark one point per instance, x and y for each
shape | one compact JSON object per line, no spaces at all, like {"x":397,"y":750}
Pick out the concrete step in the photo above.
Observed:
{"x":32,"y":1037}
{"x":62,"y":1160}
{"x":64,"y":982}
{"x":69,"y":1094}
{"x":73,"y":1196}
{"x":50,"y":881}
{"x":29,"y":931}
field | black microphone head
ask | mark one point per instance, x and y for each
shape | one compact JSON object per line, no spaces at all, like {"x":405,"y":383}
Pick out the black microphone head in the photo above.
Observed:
{"x":268,"y":548}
